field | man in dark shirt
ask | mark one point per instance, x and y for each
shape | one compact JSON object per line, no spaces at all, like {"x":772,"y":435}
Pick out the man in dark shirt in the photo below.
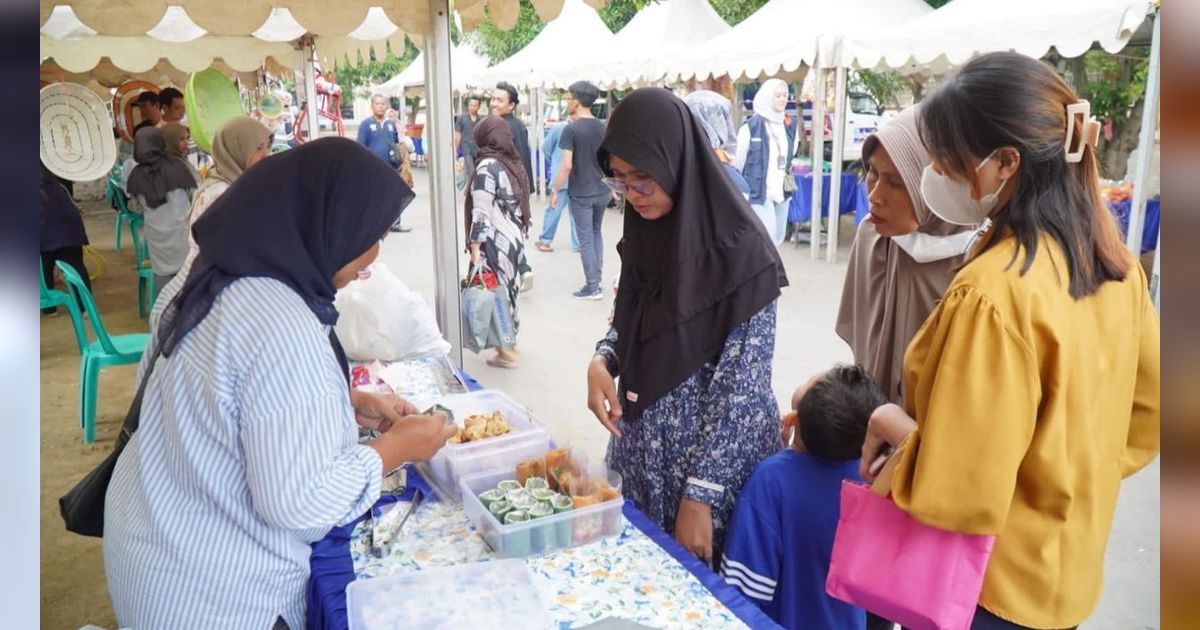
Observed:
{"x":171,"y":101}
{"x":580,"y":177}
{"x":504,"y":101}
{"x":148,"y":105}
{"x":464,"y":136}
{"x":380,"y":136}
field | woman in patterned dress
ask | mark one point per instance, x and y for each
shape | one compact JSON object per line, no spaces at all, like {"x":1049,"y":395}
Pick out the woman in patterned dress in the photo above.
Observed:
{"x":693,"y":331}
{"x":497,"y":217}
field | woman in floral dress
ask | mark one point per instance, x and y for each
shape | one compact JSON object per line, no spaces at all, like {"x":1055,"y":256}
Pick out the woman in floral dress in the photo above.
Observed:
{"x":497,"y":217}
{"x":693,"y":332}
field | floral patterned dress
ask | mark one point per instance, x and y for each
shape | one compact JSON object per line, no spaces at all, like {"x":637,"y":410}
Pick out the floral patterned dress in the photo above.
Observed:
{"x":496,"y":226}
{"x":704,"y":438}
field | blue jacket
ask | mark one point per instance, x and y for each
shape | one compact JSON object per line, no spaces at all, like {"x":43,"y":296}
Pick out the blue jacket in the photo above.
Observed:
{"x":755,"y":169}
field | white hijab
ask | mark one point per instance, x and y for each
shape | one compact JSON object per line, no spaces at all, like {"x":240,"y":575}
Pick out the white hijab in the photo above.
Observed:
{"x":764,"y":100}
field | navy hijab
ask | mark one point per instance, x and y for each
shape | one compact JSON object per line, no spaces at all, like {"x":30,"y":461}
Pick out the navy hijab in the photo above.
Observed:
{"x":297,"y":217}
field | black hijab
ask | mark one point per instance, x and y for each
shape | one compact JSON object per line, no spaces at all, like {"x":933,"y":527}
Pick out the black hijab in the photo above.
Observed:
{"x":494,"y":140}
{"x":157,"y":172}
{"x":297,"y":217}
{"x":689,"y":278}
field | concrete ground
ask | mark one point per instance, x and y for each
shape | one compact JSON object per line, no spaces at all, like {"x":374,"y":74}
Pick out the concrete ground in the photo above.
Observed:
{"x":557,"y":336}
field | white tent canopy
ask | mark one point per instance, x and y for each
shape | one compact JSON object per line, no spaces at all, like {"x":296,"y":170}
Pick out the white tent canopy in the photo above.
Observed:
{"x":962,"y":29}
{"x":576,"y":38}
{"x":661,"y":29}
{"x":784,"y":34}
{"x":464,"y":63}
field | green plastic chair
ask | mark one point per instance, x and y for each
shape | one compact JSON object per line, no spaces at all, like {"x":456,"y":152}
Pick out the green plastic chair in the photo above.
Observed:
{"x":106,"y":350}
{"x":145,"y":273}
{"x":54,"y":297}
{"x":115,"y":197}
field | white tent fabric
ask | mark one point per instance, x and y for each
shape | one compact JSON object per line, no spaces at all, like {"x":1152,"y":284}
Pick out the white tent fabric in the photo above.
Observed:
{"x":464,"y":63}
{"x":784,"y":34}
{"x":577,"y":37}
{"x":962,"y":29}
{"x":661,"y":29}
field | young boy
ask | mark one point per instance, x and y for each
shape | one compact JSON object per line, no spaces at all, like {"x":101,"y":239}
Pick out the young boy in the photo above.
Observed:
{"x":781,"y":534}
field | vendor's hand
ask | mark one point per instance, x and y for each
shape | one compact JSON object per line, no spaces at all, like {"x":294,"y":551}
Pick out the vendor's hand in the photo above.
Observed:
{"x":888,"y":426}
{"x":413,"y":438}
{"x":378,"y":412}
{"x":602,"y":395}
{"x":694,"y":528}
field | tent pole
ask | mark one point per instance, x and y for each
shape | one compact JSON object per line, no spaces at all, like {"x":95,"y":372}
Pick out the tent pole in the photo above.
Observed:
{"x":446,"y":241}
{"x":835,"y":178}
{"x":1137,"y":210}
{"x":818,"y":155}
{"x":1156,"y":275}
{"x":310,"y":88}
{"x":539,"y":98}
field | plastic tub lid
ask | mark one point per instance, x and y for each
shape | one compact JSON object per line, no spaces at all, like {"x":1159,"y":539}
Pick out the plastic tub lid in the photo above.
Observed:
{"x":496,"y":594}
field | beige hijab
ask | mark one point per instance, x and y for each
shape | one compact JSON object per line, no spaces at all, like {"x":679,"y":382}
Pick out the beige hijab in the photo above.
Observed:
{"x":236,"y":141}
{"x":888,"y":295}
{"x":173,"y":134}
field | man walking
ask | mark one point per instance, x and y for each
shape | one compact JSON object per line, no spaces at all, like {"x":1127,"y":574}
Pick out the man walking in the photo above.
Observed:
{"x":464,"y":136}
{"x":559,"y":203}
{"x":581,"y":179}
{"x":504,"y":102}
{"x":379,"y":134}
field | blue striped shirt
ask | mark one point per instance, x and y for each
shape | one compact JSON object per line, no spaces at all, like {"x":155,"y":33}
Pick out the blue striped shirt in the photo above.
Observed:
{"x":246,"y":454}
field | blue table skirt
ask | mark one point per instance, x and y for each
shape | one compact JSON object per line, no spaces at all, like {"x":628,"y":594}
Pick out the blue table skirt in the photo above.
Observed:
{"x":332,"y":568}
{"x":853,"y":198}
{"x":1121,"y":209}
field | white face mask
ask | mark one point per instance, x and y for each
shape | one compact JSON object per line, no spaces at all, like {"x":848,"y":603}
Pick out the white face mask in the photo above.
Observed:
{"x":927,"y":248}
{"x":951,"y":199}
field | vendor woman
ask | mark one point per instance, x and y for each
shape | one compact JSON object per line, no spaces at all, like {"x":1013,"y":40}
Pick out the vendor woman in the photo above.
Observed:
{"x":248,"y":448}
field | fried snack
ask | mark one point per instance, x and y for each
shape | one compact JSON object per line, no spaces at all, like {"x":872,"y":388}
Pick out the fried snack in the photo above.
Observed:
{"x":480,"y":426}
{"x":535,"y":467}
{"x":607,"y":492}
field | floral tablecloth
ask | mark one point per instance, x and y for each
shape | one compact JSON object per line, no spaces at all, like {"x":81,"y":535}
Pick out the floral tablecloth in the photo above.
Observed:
{"x":628,"y":576}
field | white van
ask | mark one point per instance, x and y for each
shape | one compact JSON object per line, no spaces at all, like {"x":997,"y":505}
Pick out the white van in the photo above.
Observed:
{"x":862,"y":120}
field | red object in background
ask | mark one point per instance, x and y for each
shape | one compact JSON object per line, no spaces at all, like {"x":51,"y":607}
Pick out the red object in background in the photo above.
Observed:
{"x":360,"y":376}
{"x":329,"y":106}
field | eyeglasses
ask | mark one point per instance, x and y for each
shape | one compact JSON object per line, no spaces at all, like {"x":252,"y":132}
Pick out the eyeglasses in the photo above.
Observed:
{"x":640,"y":185}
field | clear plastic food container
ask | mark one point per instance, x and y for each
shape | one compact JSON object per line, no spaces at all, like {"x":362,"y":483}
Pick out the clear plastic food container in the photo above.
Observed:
{"x":561,"y":530}
{"x":528,"y":438}
{"x":497,"y":594}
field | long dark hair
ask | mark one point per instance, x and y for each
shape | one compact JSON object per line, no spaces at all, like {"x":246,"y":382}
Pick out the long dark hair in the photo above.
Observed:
{"x":1011,"y":100}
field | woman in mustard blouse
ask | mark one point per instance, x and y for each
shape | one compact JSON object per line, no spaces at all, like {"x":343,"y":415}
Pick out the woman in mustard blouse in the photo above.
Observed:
{"x":1033,"y":387}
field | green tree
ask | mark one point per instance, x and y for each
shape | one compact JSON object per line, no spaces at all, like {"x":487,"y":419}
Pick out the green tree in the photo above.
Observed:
{"x":354,"y":77}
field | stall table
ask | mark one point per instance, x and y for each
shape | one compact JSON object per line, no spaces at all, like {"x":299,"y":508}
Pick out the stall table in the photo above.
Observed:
{"x":642,"y":574}
{"x":853,"y":198}
{"x":1120,"y":209}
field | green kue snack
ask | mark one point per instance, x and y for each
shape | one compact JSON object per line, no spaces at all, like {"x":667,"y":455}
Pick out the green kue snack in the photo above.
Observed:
{"x":523,"y":502}
{"x":488,"y":497}
{"x":542,"y":538}
{"x":514,"y":495}
{"x":536,"y":483}
{"x":543,"y":495}
{"x":516,"y":543}
{"x":540,"y":510}
{"x":499,"y":508}
{"x":562,"y":530}
{"x":562,"y":503}
{"x":442,"y":410}
{"x":508,"y":485}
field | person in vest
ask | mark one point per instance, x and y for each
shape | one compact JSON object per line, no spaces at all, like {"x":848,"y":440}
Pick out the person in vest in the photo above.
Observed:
{"x":765,"y":144}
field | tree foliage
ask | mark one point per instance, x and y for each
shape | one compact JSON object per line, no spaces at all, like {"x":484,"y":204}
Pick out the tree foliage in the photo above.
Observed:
{"x":373,"y":70}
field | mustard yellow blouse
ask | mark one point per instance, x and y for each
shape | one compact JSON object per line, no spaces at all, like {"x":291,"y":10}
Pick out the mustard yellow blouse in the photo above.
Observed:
{"x":1031,"y":407}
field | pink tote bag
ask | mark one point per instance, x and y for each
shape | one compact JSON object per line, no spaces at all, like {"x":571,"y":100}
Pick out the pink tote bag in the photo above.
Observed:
{"x":889,"y":563}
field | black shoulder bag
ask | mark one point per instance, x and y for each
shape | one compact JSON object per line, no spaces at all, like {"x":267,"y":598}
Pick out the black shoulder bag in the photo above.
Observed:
{"x":83,"y":507}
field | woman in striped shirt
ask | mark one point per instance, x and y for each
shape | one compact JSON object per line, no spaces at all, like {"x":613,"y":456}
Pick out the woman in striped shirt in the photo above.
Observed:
{"x":248,"y":447}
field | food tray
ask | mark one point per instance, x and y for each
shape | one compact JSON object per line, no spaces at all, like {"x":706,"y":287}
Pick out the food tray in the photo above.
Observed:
{"x":544,"y":535}
{"x":529,"y":437}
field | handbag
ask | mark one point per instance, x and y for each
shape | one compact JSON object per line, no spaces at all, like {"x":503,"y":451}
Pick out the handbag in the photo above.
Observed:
{"x":82,"y":508}
{"x":891,"y":564}
{"x":478,"y":311}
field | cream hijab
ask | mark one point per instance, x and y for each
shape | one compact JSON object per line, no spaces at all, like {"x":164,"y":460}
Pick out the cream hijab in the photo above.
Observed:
{"x":236,"y":141}
{"x":888,"y":295}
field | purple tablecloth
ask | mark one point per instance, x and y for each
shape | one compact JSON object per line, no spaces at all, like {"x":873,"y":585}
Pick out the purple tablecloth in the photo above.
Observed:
{"x":853,"y":198}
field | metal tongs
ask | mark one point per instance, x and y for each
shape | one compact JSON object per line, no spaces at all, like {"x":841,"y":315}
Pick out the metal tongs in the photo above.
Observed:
{"x":385,"y":550}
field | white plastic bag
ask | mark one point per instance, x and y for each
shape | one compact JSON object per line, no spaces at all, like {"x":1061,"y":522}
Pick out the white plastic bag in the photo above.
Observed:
{"x":380,"y":318}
